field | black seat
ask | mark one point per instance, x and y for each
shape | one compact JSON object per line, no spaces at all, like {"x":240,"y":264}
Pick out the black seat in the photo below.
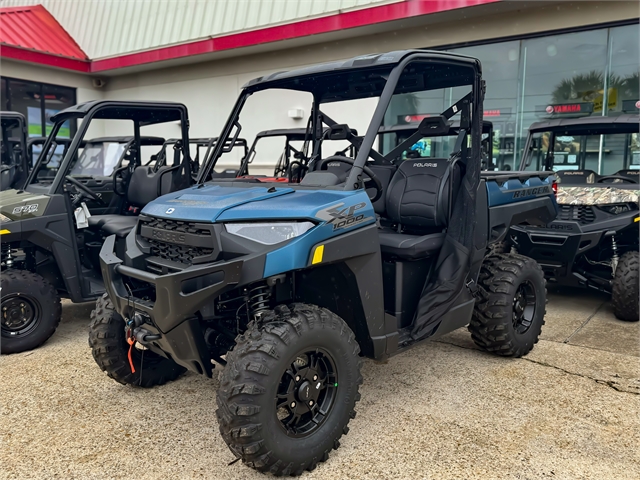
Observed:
{"x":338,"y":168}
{"x":384,"y":174}
{"x":418,"y":200}
{"x":632,"y":175}
{"x":144,"y":187}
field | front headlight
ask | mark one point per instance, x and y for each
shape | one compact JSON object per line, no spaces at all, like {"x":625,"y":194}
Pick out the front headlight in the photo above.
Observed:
{"x":269,"y":233}
{"x":4,"y":218}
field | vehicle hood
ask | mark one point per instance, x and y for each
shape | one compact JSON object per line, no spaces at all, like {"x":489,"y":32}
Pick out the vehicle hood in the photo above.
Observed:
{"x":20,"y":204}
{"x":215,"y":203}
{"x":592,"y":195}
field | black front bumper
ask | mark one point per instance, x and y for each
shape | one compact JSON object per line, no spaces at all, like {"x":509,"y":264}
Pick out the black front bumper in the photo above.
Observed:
{"x":178,"y":297}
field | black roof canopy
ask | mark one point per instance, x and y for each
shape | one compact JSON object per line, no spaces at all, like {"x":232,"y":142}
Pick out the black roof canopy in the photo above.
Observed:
{"x":412,"y":127}
{"x":146,"y":113}
{"x":293,"y":134}
{"x":366,"y":76}
{"x":627,"y":123}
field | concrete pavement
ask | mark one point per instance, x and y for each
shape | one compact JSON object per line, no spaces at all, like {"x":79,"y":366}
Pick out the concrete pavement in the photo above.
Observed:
{"x":570,"y":409}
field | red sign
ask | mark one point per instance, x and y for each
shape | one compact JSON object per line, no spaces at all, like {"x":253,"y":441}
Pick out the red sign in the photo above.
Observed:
{"x":492,"y":113}
{"x":416,"y":118}
{"x":570,"y":108}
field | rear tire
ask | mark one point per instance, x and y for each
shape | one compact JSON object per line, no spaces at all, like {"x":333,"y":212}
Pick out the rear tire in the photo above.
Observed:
{"x":30,"y":311}
{"x":625,"y":294}
{"x":289,"y":389}
{"x":110,"y":351}
{"x":508,"y":316}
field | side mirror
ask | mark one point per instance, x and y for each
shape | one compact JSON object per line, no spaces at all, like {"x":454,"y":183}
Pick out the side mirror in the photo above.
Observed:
{"x":339,"y":131}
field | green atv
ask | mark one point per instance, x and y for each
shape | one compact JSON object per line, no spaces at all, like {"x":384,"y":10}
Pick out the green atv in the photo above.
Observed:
{"x":52,"y":229}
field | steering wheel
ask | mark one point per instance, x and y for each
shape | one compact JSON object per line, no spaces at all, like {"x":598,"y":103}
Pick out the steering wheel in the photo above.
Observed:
{"x":616,"y":177}
{"x":86,"y":190}
{"x":373,"y":182}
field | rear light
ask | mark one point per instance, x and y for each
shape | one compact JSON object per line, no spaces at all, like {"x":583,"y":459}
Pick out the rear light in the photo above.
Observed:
{"x":554,"y":187}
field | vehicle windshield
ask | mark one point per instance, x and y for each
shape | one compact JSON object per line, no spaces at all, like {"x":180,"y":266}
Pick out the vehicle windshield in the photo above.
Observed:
{"x":99,"y":159}
{"x":337,"y":108}
{"x":604,"y":154}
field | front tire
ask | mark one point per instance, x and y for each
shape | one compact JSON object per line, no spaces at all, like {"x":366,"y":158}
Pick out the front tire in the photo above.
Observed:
{"x":110,"y":351}
{"x":30,"y":311}
{"x":509,"y":315}
{"x":289,"y":389}
{"x":625,"y":294}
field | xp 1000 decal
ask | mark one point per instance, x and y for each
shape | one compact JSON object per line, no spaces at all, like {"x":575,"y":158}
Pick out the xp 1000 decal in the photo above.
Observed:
{"x":341,"y":216}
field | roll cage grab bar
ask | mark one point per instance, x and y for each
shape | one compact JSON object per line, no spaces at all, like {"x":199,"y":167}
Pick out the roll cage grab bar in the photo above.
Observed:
{"x":364,"y":144}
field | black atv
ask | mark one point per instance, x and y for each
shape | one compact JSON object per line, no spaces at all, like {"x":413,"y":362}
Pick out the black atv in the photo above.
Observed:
{"x":14,"y":165}
{"x":288,"y":285}
{"x":201,"y":149}
{"x":53,"y":229}
{"x":294,"y":160}
{"x":594,"y":241}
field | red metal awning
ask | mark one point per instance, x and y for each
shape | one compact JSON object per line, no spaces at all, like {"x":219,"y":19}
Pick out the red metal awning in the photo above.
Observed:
{"x":32,"y":32}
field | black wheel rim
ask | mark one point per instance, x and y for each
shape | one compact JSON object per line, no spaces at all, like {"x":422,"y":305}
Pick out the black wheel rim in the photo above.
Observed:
{"x":524,"y":307}
{"x":306,"y":393}
{"x":20,"y":315}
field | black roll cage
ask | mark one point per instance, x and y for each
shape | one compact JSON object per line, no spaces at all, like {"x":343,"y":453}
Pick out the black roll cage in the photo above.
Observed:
{"x":364,"y":145}
{"x":87,"y":112}
{"x":19,"y":122}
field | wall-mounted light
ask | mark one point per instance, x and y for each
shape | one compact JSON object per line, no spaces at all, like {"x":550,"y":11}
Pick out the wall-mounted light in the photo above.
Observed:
{"x":296,"y":113}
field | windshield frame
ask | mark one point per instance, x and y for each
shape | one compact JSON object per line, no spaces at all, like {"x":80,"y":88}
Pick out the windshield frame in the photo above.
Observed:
{"x":575,"y":130}
{"x":87,"y":112}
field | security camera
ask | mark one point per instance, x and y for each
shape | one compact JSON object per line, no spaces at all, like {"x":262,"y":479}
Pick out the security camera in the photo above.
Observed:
{"x":99,"y":82}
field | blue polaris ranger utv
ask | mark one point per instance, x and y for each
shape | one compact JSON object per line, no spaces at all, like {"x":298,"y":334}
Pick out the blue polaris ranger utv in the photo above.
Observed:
{"x":288,"y":286}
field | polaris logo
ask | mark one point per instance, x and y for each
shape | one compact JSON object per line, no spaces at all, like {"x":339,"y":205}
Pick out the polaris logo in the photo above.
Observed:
{"x":560,"y":226}
{"x":573,"y":173}
{"x":165,"y":236}
{"x":419,"y":164}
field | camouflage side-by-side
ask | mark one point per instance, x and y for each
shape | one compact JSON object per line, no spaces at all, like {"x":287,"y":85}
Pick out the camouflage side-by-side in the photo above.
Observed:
{"x":595,"y":195}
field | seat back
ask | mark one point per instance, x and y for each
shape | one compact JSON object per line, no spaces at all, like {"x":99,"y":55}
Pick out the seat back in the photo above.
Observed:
{"x":145,"y":185}
{"x":576,"y":177}
{"x":421,"y":191}
{"x":384,"y":174}
{"x":338,"y":168}
{"x":633,"y":175}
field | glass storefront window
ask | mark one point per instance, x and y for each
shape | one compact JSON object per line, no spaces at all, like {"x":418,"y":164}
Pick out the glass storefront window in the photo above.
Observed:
{"x":567,"y":75}
{"x":37,"y":102}
{"x":560,"y":70}
{"x":500,"y":68}
{"x":623,"y":59}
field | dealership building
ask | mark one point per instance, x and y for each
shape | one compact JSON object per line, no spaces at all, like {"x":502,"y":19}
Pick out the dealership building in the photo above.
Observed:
{"x":539,"y":58}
